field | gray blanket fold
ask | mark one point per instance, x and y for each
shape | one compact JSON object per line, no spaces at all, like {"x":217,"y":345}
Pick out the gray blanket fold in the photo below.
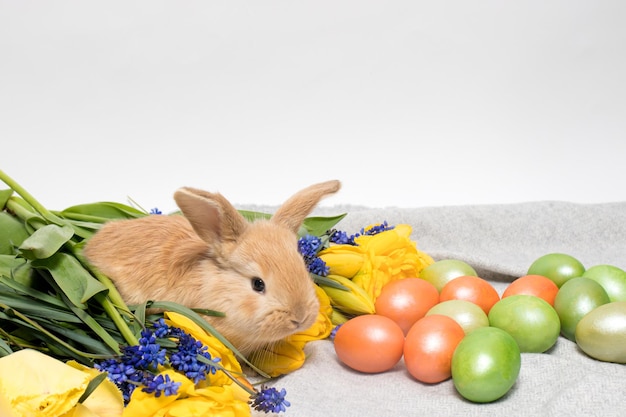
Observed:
{"x":500,"y":242}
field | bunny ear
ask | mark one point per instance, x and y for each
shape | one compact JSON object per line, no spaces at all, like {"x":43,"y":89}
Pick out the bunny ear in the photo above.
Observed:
{"x":293,"y":211}
{"x":212,"y":217}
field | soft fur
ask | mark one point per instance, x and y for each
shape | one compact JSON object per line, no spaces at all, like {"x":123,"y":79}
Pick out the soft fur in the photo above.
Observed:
{"x":208,"y":257}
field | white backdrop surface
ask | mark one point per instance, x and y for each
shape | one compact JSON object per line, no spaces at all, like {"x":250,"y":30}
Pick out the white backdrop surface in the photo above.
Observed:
{"x":409,"y":103}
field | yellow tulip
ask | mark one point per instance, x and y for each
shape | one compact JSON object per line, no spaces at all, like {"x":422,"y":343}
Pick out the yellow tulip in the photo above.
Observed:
{"x":281,"y":358}
{"x":337,"y":317}
{"x":323,"y":326}
{"x":344,"y":260}
{"x":34,"y":384}
{"x":391,"y":255}
{"x":354,"y":301}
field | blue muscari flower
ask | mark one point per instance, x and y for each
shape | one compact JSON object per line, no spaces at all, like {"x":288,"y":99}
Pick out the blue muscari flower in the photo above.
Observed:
{"x":340,"y":237}
{"x":118,"y":372}
{"x":318,"y":266}
{"x":161,"y":329}
{"x":155,"y":211}
{"x":185,"y":358}
{"x":383,"y":227}
{"x":161,"y":384}
{"x":333,"y":332}
{"x":270,"y":400}
{"x":148,"y":354}
{"x":137,"y":364}
{"x":125,"y":377}
{"x":309,"y":245}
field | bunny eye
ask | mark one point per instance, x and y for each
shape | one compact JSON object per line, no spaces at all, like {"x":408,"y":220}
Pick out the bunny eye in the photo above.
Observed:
{"x":258,"y":285}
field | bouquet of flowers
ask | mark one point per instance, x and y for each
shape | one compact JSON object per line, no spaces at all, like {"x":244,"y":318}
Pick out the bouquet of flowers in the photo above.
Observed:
{"x":70,"y":346}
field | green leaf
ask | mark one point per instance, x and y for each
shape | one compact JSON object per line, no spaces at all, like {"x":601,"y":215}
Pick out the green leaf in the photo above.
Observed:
{"x":8,"y":263}
{"x":5,"y":349}
{"x":91,"y":387}
{"x":79,"y":335}
{"x":31,"y":308}
{"x":29,"y":291}
{"x":71,"y":277}
{"x":51,"y":341}
{"x":22,"y":210}
{"x":140,"y":312}
{"x":4,"y":197}
{"x":101,"y":212}
{"x":317,"y":226}
{"x":13,"y":233}
{"x":95,"y":327}
{"x":320,"y":280}
{"x":254,"y":215}
{"x":45,"y":241}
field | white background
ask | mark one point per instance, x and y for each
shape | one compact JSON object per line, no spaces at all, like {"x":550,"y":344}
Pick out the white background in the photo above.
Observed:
{"x":409,"y":103}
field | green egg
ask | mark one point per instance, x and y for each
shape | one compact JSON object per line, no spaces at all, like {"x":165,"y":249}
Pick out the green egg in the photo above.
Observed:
{"x":601,"y":333}
{"x":577,"y":297}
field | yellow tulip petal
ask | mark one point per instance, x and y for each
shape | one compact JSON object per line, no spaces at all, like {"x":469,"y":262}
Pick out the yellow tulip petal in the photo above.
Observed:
{"x":5,"y":405}
{"x":81,"y":410}
{"x":323,"y":326}
{"x":354,"y":301}
{"x":344,"y":260}
{"x":203,"y":406}
{"x":282,"y":358}
{"x":391,"y":255}
{"x":106,"y":400}
{"x":39,"y":385}
{"x":338,"y":318}
{"x":143,"y":404}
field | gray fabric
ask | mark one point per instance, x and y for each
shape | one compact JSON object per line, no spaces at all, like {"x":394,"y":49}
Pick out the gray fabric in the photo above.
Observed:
{"x":500,"y":242}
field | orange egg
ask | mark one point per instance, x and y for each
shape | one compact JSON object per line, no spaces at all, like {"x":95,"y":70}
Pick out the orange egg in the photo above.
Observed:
{"x":406,"y":300}
{"x":471,"y":288}
{"x":369,"y":343}
{"x":537,"y":285}
{"x":429,"y":346}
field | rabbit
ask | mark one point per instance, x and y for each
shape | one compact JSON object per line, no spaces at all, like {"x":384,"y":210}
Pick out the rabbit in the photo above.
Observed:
{"x":211,"y":257}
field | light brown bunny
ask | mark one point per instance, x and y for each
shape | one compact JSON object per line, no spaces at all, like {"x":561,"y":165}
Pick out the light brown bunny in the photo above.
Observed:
{"x":211,"y":257}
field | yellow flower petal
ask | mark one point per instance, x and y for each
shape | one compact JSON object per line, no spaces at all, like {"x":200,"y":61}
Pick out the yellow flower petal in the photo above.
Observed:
{"x":282,"y":358}
{"x":143,"y":404}
{"x":5,"y":405}
{"x":203,"y":407}
{"x":323,"y":326}
{"x":353,"y":301}
{"x":391,"y":255}
{"x":38,"y":385}
{"x":81,"y":411}
{"x":344,"y":260}
{"x":221,"y":401}
{"x":105,"y":401}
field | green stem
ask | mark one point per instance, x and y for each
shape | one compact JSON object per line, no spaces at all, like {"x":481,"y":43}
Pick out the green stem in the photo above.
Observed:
{"x":30,"y":199}
{"x":81,"y":217}
{"x":117,"y":318}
